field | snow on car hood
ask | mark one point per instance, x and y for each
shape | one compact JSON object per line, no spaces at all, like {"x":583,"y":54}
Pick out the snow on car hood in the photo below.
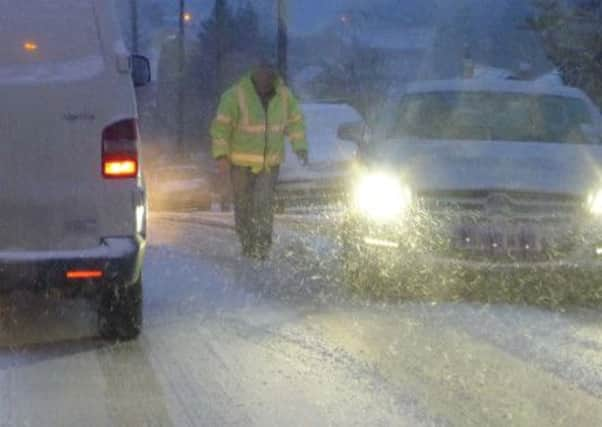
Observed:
{"x":487,"y":165}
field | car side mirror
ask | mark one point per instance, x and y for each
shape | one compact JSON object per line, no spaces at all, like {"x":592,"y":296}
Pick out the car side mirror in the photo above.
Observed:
{"x":141,"y":70}
{"x":352,"y":131}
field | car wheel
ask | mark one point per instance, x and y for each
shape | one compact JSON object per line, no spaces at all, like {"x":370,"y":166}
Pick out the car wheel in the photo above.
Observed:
{"x":370,"y":271}
{"x":279,"y":206}
{"x":120,"y":312}
{"x":357,"y":267}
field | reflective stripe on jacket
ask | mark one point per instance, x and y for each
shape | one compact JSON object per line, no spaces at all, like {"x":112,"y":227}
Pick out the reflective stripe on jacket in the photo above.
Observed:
{"x":244,"y":133}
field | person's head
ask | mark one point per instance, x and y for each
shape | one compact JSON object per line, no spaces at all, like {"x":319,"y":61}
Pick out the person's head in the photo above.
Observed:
{"x":264,"y":76}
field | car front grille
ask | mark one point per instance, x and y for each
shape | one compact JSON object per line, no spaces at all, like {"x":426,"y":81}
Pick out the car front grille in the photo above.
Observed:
{"x":499,"y":226}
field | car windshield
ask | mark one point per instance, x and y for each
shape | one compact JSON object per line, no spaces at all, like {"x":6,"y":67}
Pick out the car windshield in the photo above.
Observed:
{"x":493,"y":116}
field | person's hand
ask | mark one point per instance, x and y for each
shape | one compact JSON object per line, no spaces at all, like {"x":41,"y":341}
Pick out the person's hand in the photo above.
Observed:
{"x":223,"y":166}
{"x":303,"y":157}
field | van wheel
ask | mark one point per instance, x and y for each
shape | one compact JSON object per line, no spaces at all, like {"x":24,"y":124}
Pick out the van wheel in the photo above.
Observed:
{"x":120,"y":312}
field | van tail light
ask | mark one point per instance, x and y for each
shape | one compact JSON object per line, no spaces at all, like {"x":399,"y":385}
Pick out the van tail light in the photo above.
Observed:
{"x":120,"y":150}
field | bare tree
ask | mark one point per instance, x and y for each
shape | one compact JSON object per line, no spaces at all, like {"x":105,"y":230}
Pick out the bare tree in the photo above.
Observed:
{"x":572,"y":38}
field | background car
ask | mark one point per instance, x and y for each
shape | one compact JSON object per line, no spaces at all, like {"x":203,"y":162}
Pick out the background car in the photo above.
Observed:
{"x":179,"y":186}
{"x":322,"y":181}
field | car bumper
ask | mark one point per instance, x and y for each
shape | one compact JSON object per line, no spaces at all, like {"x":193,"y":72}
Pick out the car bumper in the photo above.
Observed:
{"x":560,"y":266}
{"x":388,"y":246}
{"x":119,"y":259}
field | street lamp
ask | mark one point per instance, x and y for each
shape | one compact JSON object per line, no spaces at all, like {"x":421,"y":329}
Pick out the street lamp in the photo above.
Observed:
{"x":185,"y":17}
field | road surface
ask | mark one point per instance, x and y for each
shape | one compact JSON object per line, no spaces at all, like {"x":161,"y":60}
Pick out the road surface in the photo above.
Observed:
{"x":231,"y":342}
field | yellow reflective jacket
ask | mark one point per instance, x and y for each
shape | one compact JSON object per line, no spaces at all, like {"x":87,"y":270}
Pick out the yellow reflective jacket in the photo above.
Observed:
{"x":248,"y":136}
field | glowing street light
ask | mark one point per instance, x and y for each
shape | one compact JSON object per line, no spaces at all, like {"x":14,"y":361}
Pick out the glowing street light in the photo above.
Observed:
{"x":187,"y":17}
{"x":30,"y":46}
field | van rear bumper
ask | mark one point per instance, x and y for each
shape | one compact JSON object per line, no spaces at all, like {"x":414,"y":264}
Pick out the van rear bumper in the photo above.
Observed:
{"x":120,"y":259}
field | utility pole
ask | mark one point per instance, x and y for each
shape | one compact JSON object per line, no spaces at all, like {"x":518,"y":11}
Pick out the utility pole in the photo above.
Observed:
{"x":220,"y":11}
{"x":282,"y":50}
{"x":134,"y":26}
{"x":181,"y":69}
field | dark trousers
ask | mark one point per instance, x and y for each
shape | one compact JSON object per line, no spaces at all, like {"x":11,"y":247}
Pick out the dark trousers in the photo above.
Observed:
{"x":254,"y":208}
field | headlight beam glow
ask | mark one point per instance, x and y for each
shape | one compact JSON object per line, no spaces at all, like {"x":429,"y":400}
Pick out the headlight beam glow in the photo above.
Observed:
{"x":594,"y":202}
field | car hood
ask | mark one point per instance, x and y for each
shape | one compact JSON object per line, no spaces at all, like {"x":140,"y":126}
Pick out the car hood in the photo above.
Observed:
{"x":486,"y":165}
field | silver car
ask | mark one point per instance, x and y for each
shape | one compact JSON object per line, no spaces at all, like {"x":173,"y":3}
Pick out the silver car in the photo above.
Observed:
{"x":478,"y":176}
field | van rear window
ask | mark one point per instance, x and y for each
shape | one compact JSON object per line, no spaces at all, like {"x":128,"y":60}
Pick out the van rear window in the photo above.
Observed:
{"x":47,"y":31}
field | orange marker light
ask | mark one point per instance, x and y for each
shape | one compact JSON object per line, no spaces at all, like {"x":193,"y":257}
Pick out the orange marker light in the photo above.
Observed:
{"x":120,"y":168}
{"x":84,"y":274}
{"x":30,"y":46}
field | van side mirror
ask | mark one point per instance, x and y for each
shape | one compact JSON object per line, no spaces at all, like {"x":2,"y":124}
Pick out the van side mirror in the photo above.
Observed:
{"x":352,"y":131}
{"x":141,"y":70}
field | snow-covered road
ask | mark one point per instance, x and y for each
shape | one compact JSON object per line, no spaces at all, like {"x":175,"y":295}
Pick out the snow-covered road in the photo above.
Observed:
{"x":230,"y":342}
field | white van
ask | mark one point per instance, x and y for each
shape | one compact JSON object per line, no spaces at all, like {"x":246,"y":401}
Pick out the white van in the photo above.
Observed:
{"x":72,"y":197}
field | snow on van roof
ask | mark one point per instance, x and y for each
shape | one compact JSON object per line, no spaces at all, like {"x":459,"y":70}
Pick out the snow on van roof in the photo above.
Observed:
{"x":535,"y":87}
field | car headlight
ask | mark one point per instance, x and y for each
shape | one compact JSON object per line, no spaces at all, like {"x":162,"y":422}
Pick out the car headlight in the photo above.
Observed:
{"x":594,"y":202}
{"x":381,"y":196}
